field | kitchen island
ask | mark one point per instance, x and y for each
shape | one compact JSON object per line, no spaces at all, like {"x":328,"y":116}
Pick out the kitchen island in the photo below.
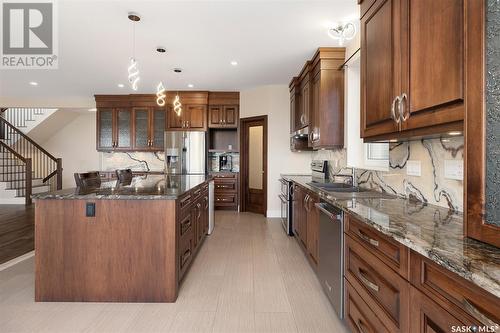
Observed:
{"x":119,"y":242}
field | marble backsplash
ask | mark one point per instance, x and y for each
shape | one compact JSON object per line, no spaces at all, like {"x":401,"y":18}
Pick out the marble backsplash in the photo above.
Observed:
{"x":137,"y":161}
{"x":432,"y":187}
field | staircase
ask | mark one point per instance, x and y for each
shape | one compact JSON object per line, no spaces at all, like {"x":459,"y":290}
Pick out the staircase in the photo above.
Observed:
{"x":25,"y":167}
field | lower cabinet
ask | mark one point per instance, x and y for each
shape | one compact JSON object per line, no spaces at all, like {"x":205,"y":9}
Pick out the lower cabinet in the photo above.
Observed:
{"x":383,"y":294}
{"x":226,"y":190}
{"x":192,"y":225}
{"x":306,"y":222}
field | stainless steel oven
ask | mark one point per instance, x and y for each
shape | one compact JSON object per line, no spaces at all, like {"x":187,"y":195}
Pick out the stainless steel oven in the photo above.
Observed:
{"x":286,"y":198}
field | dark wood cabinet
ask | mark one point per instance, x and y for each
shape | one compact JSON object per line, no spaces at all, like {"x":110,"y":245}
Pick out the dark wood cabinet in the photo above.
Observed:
{"x":294,"y":104}
{"x":223,"y":116}
{"x":192,"y":118}
{"x":226,"y":190}
{"x":326,"y":124}
{"x":148,"y":128}
{"x":306,"y":222}
{"x":114,"y":129}
{"x":413,"y":85}
{"x":305,"y":101}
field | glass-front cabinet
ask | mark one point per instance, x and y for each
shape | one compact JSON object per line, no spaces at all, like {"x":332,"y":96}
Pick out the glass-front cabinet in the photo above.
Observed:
{"x":114,"y":127}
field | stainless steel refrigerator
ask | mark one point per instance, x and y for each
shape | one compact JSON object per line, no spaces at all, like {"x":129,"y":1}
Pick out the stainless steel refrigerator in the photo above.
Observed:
{"x":185,"y":152}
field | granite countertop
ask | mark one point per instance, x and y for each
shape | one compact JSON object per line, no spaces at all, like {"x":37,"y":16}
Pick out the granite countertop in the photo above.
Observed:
{"x":432,"y":231}
{"x":147,"y":187}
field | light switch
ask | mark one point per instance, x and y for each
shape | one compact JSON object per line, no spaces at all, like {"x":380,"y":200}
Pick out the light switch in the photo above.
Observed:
{"x":414,"y":168}
{"x":454,"y":169}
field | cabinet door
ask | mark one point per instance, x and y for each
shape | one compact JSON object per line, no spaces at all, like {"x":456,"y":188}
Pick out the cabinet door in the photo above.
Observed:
{"x":105,"y":138}
{"x":158,"y":128}
{"x":303,"y":221}
{"x":298,"y":202}
{"x":174,"y":121}
{"x":428,"y":317}
{"x":313,"y":230}
{"x":380,"y":67}
{"x":433,"y":67}
{"x":123,"y":125}
{"x":215,"y":116}
{"x":231,"y":116}
{"x":292,"y":112}
{"x":141,"y":128}
{"x":196,"y":116}
{"x":314,"y":112}
{"x":305,"y":103}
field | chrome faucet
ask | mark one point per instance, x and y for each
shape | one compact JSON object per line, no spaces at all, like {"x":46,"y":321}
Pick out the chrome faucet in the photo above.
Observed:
{"x":350,"y":179}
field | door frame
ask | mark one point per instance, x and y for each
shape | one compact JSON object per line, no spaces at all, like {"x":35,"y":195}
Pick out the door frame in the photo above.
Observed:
{"x":244,"y":160}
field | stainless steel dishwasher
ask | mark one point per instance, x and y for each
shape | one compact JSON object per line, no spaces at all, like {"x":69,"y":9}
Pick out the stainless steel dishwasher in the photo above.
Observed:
{"x":331,"y":255}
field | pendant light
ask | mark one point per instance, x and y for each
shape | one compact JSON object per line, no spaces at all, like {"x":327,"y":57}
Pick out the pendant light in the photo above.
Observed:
{"x":160,"y":88}
{"x":133,"y":70}
{"x":177,"y":105}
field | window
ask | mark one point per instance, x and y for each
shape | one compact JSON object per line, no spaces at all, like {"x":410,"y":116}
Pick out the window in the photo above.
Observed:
{"x":377,"y":156}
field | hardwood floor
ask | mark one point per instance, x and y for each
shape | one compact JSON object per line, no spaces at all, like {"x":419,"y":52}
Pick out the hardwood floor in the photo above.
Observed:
{"x":16,"y":231}
{"x":248,"y":277}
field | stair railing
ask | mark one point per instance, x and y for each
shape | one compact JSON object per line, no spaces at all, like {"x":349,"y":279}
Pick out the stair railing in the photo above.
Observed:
{"x":15,"y":166}
{"x":44,"y":165}
{"x":19,"y":116}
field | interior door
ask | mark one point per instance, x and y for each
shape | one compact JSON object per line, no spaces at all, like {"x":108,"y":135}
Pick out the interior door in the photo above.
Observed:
{"x":433,"y":68}
{"x":381,"y":62}
{"x":254,"y":157}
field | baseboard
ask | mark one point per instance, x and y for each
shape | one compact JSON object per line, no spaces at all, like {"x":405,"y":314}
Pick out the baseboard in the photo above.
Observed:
{"x":17,"y":260}
{"x":273,"y":214}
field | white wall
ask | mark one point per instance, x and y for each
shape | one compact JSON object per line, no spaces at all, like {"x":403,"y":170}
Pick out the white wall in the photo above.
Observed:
{"x":75,"y":144}
{"x":274,"y":101}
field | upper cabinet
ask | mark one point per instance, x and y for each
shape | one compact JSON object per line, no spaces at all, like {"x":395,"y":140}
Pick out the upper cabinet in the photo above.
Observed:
{"x":223,"y":109}
{"x":193,"y":116}
{"x":114,"y":126}
{"x":149,"y":128}
{"x":326,"y":123}
{"x":412,"y":68}
{"x":317,"y":102}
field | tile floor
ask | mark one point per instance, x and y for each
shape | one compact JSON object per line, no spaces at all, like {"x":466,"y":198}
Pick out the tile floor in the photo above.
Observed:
{"x":248,"y":277}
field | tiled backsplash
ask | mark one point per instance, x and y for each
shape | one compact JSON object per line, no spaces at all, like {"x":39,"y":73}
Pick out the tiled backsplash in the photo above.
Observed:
{"x":137,"y":161}
{"x":432,"y":187}
{"x":213,"y":161}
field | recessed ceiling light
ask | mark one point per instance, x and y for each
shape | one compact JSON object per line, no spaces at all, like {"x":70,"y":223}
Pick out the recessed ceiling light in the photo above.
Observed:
{"x":134,"y":17}
{"x":161,"y":49}
{"x":454,"y":133}
{"x":121,"y":85}
{"x":178,"y":70}
{"x":93,"y":110}
{"x":33,"y":83}
{"x":234,"y":63}
{"x":190,"y":85}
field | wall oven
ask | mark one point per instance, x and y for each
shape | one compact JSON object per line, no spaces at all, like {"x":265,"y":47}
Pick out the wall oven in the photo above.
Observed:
{"x":286,"y":198}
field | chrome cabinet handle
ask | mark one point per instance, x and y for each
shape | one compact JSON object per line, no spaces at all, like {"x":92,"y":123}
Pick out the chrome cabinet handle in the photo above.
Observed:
{"x":302,"y":119}
{"x":367,"y":282}
{"x":402,"y":107}
{"x":396,"y":101}
{"x":368,"y":239}
{"x":474,"y":311}
{"x":360,"y":326}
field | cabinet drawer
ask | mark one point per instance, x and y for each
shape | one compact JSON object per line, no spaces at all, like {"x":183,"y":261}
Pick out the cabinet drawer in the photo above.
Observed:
{"x":359,"y":316}
{"x":185,"y":225}
{"x":224,"y":176}
{"x":225,"y":186}
{"x":379,"y":282}
{"x":196,"y":193}
{"x":186,"y":248}
{"x":392,"y":253}
{"x":446,"y":287}
{"x":225,"y":199}
{"x":428,"y":317}
{"x":184,"y":200}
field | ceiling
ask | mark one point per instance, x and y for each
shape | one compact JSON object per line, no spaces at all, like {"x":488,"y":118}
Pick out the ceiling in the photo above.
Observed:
{"x":270,"y":40}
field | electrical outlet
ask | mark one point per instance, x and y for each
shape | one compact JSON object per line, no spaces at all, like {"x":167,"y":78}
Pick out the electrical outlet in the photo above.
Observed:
{"x":414,"y":168}
{"x":454,"y":169}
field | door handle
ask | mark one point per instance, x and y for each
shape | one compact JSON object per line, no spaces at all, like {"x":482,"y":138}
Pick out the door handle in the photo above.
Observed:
{"x":368,"y":239}
{"x":402,"y":107}
{"x":396,"y":102}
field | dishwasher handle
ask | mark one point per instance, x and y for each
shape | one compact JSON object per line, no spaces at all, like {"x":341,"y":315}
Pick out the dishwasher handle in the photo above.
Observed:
{"x":332,"y":216}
